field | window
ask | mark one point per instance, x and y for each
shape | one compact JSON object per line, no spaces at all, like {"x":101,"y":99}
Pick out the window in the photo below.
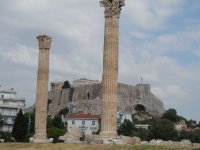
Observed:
{"x":93,"y":122}
{"x":2,"y":96}
{"x":83,"y":122}
{"x":73,"y":121}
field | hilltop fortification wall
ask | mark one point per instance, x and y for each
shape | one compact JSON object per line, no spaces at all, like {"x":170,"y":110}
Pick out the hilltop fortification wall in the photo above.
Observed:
{"x":87,"y":98}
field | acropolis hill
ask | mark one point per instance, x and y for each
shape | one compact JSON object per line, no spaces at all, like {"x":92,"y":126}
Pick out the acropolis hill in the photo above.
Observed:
{"x":86,"y":97}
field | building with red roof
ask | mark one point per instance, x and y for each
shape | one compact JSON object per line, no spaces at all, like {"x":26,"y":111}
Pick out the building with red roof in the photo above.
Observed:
{"x":87,"y":123}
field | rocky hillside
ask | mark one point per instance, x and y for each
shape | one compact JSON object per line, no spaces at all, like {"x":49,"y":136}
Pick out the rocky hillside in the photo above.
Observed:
{"x":87,"y":98}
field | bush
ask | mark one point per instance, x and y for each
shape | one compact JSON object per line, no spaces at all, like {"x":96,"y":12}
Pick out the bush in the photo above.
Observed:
{"x":26,"y":139}
{"x":7,"y":137}
{"x":193,"y":136}
{"x":126,"y":128}
{"x":162,"y":129}
{"x":141,"y":133}
{"x":57,"y":122}
{"x":55,"y":133}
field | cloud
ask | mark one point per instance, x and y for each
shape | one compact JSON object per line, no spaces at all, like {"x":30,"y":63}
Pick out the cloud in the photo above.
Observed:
{"x":22,"y":55}
{"x":152,"y":35}
{"x":151,"y":15}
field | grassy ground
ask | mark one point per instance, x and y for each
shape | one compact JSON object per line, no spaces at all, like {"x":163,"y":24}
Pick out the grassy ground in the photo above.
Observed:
{"x":18,"y":146}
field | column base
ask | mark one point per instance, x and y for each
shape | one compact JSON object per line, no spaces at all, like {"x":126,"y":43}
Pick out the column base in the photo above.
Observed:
{"x":108,"y":138}
{"x":108,"y":134}
{"x":40,"y":140}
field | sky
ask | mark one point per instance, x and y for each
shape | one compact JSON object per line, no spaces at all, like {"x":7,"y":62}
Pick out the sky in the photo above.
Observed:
{"x":159,"y":40}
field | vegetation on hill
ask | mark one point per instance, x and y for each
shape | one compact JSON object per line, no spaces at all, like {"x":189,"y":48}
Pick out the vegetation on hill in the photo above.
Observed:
{"x":162,"y":128}
{"x":66,"y":85}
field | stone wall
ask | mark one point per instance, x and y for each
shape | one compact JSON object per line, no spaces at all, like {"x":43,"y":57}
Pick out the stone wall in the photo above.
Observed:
{"x":87,"y":98}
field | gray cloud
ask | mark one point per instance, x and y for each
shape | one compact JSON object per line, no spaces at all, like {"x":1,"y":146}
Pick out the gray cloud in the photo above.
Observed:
{"x":77,"y":28}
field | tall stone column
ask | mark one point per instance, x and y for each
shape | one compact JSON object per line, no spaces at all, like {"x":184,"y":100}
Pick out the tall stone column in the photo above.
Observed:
{"x":110,"y":67}
{"x":42,"y":89}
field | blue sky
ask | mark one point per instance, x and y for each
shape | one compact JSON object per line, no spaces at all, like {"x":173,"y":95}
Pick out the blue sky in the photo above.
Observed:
{"x":159,"y":40}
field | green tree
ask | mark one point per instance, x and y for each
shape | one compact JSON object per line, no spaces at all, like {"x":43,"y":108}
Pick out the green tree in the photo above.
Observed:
{"x":143,"y":134}
{"x":171,"y":115}
{"x":126,"y":128}
{"x":7,"y":137}
{"x":20,"y":127}
{"x":162,"y":129}
{"x":57,"y":122}
{"x":55,"y":133}
{"x":1,"y":121}
{"x":49,"y":122}
{"x":193,"y":136}
{"x":63,"y":111}
{"x":66,"y":85}
{"x":30,"y":121}
{"x":191,"y":123}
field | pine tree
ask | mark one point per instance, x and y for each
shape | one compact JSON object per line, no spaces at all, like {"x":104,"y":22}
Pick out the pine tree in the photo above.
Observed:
{"x":1,"y":120}
{"x":66,"y":85}
{"x":20,"y":127}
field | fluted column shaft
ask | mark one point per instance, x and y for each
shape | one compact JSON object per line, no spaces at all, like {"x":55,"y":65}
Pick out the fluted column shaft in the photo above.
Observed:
{"x":110,"y":67}
{"x":42,"y":89}
{"x":110,"y":77}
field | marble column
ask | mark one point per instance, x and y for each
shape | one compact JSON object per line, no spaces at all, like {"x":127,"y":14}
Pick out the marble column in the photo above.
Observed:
{"x":42,"y":90}
{"x":110,"y":67}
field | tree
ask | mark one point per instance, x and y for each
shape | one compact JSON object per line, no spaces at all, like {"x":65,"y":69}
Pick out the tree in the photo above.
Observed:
{"x":1,"y":121}
{"x":30,"y":121}
{"x":141,"y":133}
{"x":191,"y":123}
{"x":55,"y":133}
{"x":126,"y":128}
{"x":20,"y":127}
{"x":162,"y":129}
{"x":193,"y":136}
{"x":63,"y":111}
{"x":57,"y":122}
{"x":66,"y":85}
{"x":171,"y":115}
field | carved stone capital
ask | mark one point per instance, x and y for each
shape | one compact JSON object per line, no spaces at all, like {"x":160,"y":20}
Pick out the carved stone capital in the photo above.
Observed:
{"x":44,"y":41}
{"x":112,"y":7}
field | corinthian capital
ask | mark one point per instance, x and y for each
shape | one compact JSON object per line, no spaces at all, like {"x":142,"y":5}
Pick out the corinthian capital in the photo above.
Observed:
{"x":44,"y":41}
{"x":112,"y":7}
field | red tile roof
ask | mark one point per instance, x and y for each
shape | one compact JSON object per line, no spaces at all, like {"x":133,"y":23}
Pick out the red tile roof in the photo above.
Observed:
{"x":81,"y":115}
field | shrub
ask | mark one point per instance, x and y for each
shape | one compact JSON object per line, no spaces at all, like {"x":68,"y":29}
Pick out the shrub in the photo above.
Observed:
{"x":162,"y":129}
{"x":126,"y":128}
{"x":7,"y":137}
{"x":55,"y":133}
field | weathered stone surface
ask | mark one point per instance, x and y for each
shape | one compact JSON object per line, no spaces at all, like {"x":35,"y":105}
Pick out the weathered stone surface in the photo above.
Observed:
{"x":110,"y":67}
{"x":144,"y":142}
{"x":73,"y":135}
{"x":169,"y":143}
{"x":128,"y":98}
{"x":186,"y":142}
{"x":130,"y":140}
{"x":42,"y":90}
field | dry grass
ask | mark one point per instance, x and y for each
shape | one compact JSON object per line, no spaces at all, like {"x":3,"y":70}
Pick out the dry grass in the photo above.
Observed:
{"x":22,"y":146}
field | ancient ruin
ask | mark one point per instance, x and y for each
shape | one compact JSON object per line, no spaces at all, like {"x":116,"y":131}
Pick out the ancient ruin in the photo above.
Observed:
{"x":87,"y":98}
{"x":42,"y":90}
{"x":91,"y":96}
{"x":110,"y":67}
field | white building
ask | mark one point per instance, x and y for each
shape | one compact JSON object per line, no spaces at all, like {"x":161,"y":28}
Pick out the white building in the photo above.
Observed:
{"x":142,"y":126}
{"x":84,"y":81}
{"x":9,"y":107}
{"x":87,"y":123}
